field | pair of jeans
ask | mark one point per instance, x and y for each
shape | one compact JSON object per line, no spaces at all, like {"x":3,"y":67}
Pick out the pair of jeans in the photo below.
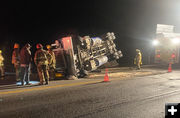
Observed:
{"x":25,"y":73}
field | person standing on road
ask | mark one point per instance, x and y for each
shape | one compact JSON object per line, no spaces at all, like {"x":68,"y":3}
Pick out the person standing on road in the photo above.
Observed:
{"x":25,"y":63}
{"x":138,"y":59}
{"x":1,"y":64}
{"x":52,"y":63}
{"x":16,"y":60}
{"x":41,"y":61}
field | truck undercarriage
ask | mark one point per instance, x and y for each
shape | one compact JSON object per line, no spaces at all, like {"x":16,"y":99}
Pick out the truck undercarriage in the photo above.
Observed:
{"x":79,"y":55}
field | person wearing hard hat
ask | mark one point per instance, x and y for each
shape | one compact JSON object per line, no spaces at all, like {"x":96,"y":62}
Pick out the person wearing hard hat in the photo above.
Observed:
{"x":25,"y":64}
{"x":138,"y":59}
{"x":41,"y":61}
{"x":52,"y":63}
{"x":1,"y":64}
{"x":16,"y":60}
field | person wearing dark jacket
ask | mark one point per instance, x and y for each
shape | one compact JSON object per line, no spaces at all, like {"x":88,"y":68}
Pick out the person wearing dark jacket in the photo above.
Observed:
{"x":25,"y":61}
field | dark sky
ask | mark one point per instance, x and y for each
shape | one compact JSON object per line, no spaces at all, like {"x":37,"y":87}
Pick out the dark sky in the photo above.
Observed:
{"x":133,"y":21}
{"x":32,"y":21}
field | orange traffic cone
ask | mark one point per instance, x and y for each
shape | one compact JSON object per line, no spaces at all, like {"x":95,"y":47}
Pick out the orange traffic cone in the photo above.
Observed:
{"x":169,"y":68}
{"x":106,"y":77}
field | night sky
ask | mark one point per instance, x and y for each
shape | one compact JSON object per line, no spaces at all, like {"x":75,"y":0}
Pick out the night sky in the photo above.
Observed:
{"x":133,"y":21}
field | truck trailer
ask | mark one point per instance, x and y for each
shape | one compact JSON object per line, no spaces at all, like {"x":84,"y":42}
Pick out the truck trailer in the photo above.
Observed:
{"x":77,"y":56}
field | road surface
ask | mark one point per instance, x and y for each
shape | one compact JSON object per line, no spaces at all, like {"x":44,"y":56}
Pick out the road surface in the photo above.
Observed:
{"x":134,"y":97}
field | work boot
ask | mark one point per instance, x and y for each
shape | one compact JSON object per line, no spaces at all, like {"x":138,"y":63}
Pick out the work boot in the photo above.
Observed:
{"x":2,"y":78}
{"x":46,"y":83}
{"x":22,"y":84}
{"x":40,"y":84}
{"x":28,"y":83}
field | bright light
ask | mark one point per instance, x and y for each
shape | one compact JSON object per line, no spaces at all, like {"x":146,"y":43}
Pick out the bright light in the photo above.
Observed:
{"x":176,"y":41}
{"x":31,"y":82}
{"x":155,"y":42}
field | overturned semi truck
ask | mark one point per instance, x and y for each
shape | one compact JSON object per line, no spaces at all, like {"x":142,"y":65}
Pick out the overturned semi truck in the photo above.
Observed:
{"x":76,"y":56}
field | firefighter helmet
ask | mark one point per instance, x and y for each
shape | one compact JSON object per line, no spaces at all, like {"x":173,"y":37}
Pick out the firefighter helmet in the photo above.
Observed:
{"x":48,"y":46}
{"x":16,"y":45}
{"x":38,"y":46}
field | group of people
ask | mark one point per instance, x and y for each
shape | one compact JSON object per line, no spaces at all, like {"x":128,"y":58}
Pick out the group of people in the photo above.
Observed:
{"x":43,"y":59}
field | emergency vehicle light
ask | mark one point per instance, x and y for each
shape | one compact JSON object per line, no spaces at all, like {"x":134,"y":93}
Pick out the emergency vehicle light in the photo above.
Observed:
{"x":173,"y":55}
{"x":155,"y":42}
{"x":158,"y":56}
{"x":176,"y":41}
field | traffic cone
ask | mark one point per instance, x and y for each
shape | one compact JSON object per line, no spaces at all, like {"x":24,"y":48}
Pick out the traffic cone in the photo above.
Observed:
{"x":106,"y":77}
{"x":169,"y":68}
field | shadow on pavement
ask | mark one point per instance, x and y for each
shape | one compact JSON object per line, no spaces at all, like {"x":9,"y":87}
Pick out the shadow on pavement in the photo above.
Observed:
{"x":9,"y":82}
{"x":14,"y":86}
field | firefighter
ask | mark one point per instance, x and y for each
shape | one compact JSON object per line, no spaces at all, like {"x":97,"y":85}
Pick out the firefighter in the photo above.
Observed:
{"x":1,"y":64}
{"x":41,"y":61}
{"x":16,"y":60}
{"x":52,"y":62}
{"x":138,"y":59}
{"x":25,"y":64}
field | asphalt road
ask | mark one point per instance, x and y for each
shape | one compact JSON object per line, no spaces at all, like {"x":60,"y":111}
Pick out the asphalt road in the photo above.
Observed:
{"x":136,"y":97}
